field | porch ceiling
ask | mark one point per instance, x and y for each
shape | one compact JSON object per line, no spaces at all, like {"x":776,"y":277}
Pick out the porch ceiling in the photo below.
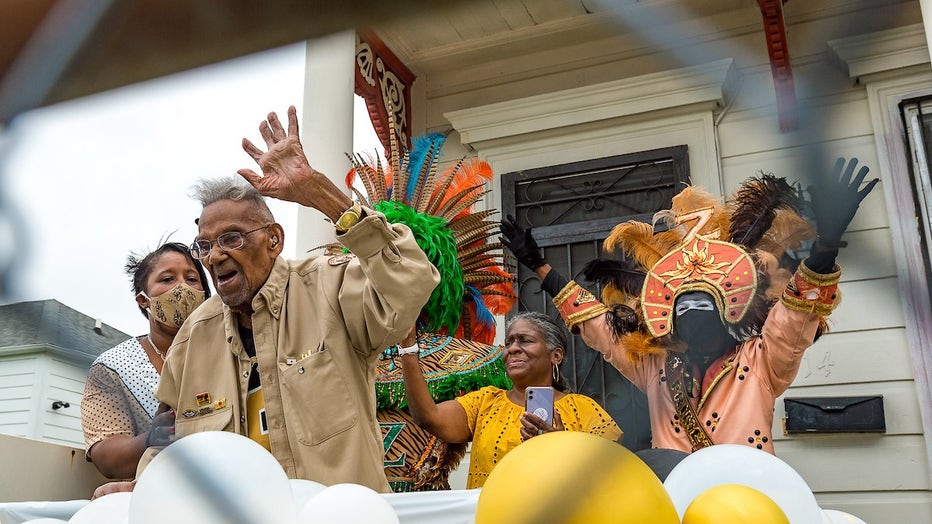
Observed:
{"x":80,"y":47}
{"x":56,"y":50}
{"x":481,"y":30}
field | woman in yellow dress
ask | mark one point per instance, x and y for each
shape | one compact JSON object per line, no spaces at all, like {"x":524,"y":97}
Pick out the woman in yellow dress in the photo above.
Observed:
{"x":495,"y":419}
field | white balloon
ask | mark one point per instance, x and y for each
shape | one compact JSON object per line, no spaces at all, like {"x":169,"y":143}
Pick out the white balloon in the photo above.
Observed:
{"x":833,"y":516}
{"x":347,"y":504}
{"x":213,"y":477}
{"x":109,"y":509}
{"x":736,"y":464}
{"x":304,"y":490}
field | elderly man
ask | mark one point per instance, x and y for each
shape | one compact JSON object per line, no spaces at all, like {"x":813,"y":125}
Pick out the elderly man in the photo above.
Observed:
{"x":285,"y":353}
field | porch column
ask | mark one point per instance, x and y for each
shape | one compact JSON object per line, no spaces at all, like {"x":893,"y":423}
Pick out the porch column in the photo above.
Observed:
{"x":326,"y":125}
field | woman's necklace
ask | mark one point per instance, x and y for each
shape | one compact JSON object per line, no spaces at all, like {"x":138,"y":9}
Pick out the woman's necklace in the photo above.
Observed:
{"x":156,"y":348}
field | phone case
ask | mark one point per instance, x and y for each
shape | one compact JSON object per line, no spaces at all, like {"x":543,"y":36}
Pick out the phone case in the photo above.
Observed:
{"x":539,"y":401}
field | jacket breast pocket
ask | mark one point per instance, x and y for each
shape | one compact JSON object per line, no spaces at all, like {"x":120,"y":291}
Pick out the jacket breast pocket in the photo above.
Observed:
{"x":220,"y":420}
{"x":316,"y":401}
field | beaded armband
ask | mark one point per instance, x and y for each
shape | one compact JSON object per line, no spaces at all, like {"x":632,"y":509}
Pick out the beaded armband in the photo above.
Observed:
{"x":811,"y":291}
{"x":576,"y":305}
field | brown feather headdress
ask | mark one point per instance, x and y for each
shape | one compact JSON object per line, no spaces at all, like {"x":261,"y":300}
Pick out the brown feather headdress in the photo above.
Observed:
{"x":734,"y":250}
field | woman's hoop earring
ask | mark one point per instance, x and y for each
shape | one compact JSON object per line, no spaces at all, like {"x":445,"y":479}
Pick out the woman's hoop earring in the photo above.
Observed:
{"x":556,"y":374}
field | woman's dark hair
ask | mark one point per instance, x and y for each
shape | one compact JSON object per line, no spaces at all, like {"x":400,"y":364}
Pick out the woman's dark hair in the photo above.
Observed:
{"x":554,"y":336}
{"x":139,"y":268}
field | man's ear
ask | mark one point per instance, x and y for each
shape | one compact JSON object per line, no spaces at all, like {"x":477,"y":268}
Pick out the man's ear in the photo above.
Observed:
{"x":276,"y":238}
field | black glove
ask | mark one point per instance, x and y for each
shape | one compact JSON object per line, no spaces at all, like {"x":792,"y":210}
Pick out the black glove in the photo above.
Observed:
{"x":521,"y":243}
{"x":554,"y":282}
{"x":834,"y":204}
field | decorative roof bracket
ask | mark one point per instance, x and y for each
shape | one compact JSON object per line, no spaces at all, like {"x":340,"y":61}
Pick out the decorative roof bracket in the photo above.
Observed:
{"x":384,"y":82}
{"x":780,"y":67}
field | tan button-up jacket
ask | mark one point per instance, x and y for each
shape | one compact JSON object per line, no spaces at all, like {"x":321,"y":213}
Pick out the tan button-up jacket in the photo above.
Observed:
{"x":319,"y":326}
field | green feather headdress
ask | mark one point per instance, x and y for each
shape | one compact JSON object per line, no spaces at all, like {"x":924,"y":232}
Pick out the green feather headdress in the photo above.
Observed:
{"x":437,"y":205}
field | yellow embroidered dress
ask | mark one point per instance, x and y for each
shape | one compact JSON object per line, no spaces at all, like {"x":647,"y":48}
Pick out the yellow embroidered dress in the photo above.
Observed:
{"x":496,"y":430}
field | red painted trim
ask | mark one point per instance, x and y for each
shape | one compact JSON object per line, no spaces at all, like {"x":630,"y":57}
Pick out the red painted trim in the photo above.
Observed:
{"x":382,"y":77}
{"x":780,"y":67}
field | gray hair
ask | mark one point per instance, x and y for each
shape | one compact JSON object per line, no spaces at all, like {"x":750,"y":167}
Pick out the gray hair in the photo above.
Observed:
{"x":231,"y":188}
{"x":554,"y":335}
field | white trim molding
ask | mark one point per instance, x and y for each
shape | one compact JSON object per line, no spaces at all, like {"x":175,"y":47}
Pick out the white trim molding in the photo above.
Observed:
{"x":893,"y":69}
{"x":622,"y":98}
{"x":634,"y":114}
{"x":881,"y":52}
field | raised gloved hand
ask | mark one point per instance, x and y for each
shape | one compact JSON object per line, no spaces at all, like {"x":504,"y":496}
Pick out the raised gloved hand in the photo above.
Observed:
{"x":836,"y":201}
{"x":834,"y":204}
{"x":521,"y":243}
{"x":526,"y":250}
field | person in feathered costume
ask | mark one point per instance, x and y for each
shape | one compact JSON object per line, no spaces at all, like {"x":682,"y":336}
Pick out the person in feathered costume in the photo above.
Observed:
{"x":456,"y":325}
{"x":437,"y":206}
{"x":703,"y":315}
{"x":474,"y":285}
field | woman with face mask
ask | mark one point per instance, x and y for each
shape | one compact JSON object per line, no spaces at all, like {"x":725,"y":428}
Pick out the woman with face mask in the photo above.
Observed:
{"x":118,"y":412}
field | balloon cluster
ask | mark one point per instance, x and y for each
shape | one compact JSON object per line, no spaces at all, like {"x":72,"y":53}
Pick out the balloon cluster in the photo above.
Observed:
{"x":573,"y":477}
{"x":223,"y":477}
{"x":561,"y":477}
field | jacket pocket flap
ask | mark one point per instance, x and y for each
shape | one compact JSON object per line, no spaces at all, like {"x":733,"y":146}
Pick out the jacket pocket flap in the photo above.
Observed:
{"x":217,"y":421}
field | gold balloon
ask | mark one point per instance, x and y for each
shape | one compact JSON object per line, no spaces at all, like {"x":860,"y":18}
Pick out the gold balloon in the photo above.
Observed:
{"x":733,"y":504}
{"x":570,"y":477}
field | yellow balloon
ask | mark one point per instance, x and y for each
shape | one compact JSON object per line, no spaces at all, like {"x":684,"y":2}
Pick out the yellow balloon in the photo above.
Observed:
{"x":734,"y":504}
{"x":571,"y":477}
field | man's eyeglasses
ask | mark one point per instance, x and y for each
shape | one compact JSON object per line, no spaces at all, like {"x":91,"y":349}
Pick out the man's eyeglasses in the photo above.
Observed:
{"x":227,"y":242}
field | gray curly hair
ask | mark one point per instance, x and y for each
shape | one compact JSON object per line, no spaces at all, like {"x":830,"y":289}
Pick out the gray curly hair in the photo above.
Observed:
{"x":231,"y":188}
{"x":553,"y":333}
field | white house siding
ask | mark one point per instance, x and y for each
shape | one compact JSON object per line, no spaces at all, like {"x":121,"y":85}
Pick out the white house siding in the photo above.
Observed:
{"x":29,"y":384}
{"x":65,"y":382}
{"x":879,"y":477}
{"x":18,"y":387}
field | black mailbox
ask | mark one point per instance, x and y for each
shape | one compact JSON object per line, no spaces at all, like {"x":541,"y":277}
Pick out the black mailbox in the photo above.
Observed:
{"x":834,"y":415}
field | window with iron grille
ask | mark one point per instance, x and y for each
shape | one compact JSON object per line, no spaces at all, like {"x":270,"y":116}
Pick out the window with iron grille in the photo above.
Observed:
{"x":570,"y":209}
{"x":917,"y":120}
